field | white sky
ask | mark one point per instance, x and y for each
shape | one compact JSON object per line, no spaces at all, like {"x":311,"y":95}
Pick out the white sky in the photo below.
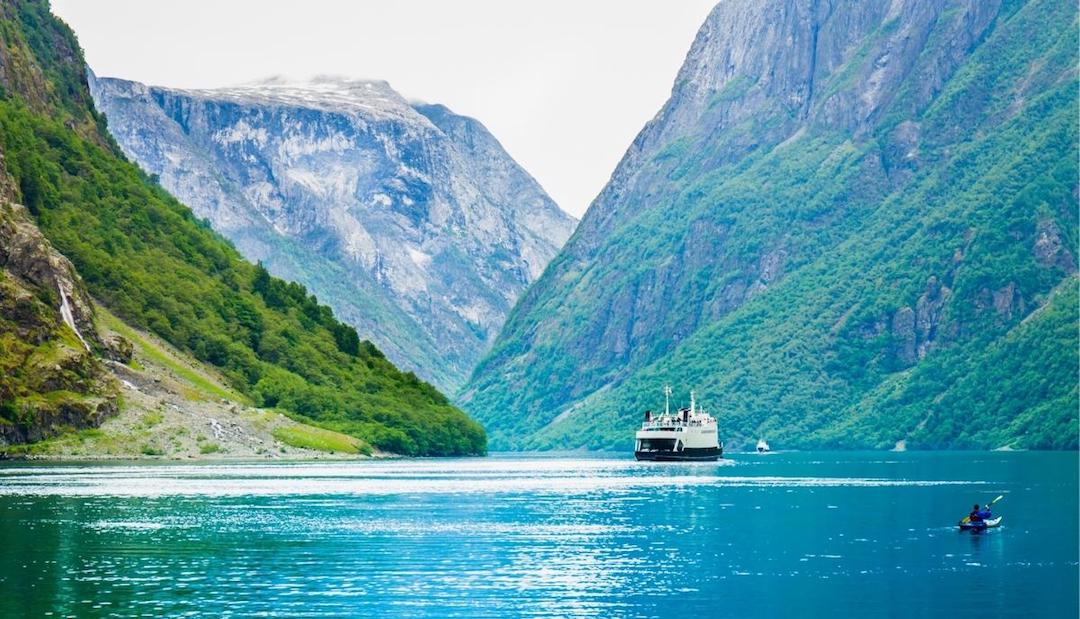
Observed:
{"x":565,"y":85}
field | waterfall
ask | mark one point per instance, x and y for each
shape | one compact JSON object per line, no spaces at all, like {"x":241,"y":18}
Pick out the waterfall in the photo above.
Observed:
{"x":65,"y":313}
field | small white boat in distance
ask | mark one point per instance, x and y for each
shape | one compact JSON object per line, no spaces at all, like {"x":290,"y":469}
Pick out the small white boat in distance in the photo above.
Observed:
{"x":688,"y":435}
{"x":762,"y":446}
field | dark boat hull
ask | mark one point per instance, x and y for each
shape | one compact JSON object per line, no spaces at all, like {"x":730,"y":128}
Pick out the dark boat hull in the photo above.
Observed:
{"x":708,"y":454}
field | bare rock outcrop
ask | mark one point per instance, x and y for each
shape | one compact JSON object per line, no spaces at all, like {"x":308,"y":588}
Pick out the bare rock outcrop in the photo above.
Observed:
{"x":49,"y":345}
{"x":25,"y":254}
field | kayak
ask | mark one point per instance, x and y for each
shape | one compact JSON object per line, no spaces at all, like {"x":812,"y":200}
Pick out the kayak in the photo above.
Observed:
{"x":967,"y":525}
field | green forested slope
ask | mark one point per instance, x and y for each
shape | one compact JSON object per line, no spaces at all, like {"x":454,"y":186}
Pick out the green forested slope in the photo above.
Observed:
{"x":855,"y":260}
{"x":145,"y":256}
{"x":1012,"y":391}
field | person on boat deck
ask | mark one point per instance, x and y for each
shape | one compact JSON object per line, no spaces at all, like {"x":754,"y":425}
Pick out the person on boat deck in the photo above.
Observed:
{"x":978,"y":515}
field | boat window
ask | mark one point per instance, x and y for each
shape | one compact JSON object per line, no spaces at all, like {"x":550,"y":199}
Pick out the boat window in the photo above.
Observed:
{"x":657,"y":444}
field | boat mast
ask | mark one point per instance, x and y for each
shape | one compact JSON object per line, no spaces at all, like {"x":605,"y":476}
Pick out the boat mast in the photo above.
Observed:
{"x":692,"y":408}
{"x":667,"y":400}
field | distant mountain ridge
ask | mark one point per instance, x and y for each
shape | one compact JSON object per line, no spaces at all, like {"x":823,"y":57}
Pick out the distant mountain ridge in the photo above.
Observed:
{"x":851,"y":225}
{"x":411,"y":221}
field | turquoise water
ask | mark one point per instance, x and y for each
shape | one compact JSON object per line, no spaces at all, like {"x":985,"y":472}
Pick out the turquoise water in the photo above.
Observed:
{"x":804,"y":534}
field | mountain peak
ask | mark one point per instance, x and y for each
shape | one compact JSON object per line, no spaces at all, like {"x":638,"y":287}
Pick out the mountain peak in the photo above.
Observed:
{"x":370,"y":98}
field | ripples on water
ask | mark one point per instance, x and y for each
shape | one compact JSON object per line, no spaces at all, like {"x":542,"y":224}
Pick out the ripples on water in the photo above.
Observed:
{"x":555,"y":537}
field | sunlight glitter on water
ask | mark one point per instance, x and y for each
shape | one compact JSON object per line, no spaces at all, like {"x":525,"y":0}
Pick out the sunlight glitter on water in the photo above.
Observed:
{"x":401,"y":477}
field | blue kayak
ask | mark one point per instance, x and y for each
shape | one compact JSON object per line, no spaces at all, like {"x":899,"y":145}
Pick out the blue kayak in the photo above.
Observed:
{"x":967,"y":525}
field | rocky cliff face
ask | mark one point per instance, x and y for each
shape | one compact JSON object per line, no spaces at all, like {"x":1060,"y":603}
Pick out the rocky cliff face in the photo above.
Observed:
{"x":836,"y":198}
{"x":49,"y":346}
{"x":410,"y":221}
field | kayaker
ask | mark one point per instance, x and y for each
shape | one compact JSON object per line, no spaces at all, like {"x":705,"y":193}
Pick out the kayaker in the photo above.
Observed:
{"x":978,"y":515}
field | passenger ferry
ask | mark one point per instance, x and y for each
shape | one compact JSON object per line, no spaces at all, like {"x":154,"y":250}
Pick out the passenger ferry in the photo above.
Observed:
{"x":689,"y":435}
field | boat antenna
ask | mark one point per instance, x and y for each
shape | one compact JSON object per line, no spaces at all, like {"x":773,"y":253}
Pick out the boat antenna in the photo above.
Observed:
{"x":667,"y":400}
{"x":691,"y":401}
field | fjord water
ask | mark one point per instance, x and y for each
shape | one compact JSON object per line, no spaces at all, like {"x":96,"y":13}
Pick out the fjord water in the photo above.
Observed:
{"x":814,"y":534}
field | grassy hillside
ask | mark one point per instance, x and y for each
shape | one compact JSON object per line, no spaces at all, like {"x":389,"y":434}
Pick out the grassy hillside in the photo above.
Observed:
{"x":175,"y":407}
{"x":144,"y":255}
{"x":841,"y":287}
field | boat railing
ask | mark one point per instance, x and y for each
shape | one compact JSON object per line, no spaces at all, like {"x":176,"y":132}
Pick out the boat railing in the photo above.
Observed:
{"x":675,"y":422}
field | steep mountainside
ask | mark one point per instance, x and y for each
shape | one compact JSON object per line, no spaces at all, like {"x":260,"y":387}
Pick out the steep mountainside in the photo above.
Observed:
{"x":145,"y":256}
{"x":852,"y":224}
{"x":410,"y":221}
